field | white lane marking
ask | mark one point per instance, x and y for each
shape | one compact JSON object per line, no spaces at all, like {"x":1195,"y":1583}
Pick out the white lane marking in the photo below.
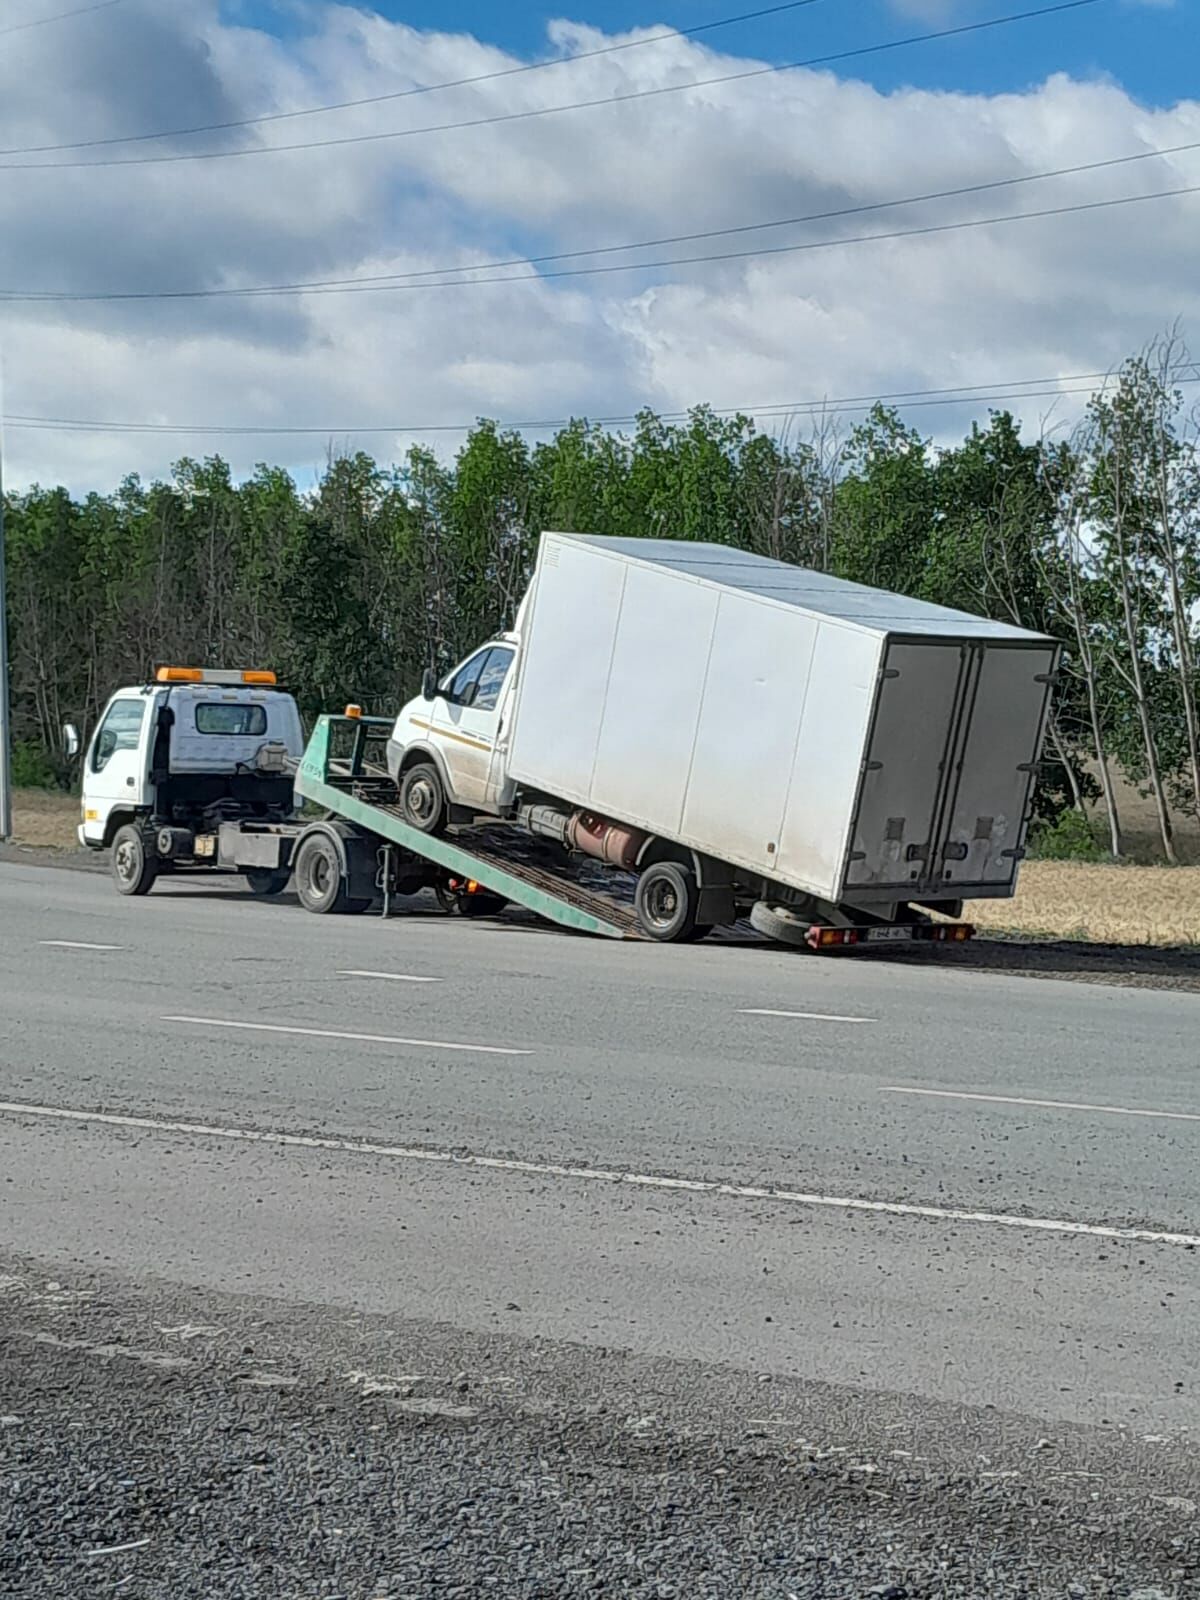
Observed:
{"x":800,"y":1016}
{"x":639,"y":1180}
{"x":392,"y":977}
{"x":1049,"y":1105}
{"x":363,"y":1038}
{"x":77,"y":944}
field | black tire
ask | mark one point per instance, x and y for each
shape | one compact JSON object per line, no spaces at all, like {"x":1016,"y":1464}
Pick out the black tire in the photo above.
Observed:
{"x":781,"y":924}
{"x":319,"y":881}
{"x":481,"y":905}
{"x":134,"y":869}
{"x":699,"y":932}
{"x":423,"y":798}
{"x":666,"y":901}
{"x":267,"y":881}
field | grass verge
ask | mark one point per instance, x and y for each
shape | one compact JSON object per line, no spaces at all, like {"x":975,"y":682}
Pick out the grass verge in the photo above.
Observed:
{"x":1101,"y":904}
{"x":45,"y":818}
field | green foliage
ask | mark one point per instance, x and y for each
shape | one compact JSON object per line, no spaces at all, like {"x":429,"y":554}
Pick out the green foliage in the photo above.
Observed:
{"x":1069,"y":837}
{"x":31,"y":767}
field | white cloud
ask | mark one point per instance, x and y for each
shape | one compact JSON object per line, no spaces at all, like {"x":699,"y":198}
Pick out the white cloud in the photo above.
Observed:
{"x":1065,"y":295}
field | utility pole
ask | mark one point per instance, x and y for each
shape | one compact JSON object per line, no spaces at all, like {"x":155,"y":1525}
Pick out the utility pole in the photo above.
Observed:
{"x":6,"y":817}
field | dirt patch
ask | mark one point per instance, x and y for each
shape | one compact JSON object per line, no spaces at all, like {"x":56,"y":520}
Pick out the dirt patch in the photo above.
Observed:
{"x":1106,"y":905}
{"x":45,"y":819}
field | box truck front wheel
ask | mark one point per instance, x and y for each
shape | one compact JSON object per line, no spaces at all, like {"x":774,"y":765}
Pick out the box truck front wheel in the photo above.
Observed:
{"x":423,"y":799}
{"x":666,"y":901}
{"x":134,"y":869}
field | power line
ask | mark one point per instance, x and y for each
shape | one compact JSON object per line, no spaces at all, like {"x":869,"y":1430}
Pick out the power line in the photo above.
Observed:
{"x":740,"y":255}
{"x":406,"y":94}
{"x":412,"y":279}
{"x":60,"y":16}
{"x":545,"y":111}
{"x":999,"y":392}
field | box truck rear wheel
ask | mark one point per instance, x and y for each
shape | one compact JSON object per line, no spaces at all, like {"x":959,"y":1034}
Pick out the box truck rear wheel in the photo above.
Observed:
{"x":666,"y":901}
{"x":423,"y":799}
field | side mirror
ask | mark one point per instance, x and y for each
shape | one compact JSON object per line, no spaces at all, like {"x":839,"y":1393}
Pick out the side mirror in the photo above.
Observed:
{"x":70,"y":741}
{"x":429,"y":685}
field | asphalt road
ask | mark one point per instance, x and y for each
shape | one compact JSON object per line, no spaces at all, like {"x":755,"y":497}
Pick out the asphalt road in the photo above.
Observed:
{"x":904,"y":1200}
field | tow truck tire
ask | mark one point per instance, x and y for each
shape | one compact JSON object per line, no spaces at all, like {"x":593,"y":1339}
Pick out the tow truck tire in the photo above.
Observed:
{"x":666,"y":900}
{"x":267,"y":881}
{"x":319,"y":880}
{"x":423,"y":798}
{"x":134,"y":869}
{"x":781,"y":924}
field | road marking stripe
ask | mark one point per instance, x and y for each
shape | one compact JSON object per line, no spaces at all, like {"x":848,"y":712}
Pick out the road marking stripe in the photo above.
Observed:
{"x":393,"y":977}
{"x":77,"y":944}
{"x":364,"y":1038}
{"x":801,"y":1016}
{"x":1051,"y":1105}
{"x":639,"y":1180}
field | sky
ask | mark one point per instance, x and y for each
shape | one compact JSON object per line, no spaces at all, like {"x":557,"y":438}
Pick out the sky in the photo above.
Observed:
{"x":814,"y":311}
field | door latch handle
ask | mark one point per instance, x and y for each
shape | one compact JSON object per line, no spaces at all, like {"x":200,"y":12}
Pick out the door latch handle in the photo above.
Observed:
{"x":129,"y":783}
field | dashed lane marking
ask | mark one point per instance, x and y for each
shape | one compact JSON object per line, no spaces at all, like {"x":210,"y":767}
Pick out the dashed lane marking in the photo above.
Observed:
{"x":1043,"y":1105}
{"x":360,"y":1038}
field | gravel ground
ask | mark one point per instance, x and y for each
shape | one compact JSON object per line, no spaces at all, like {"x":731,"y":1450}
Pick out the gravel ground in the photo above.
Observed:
{"x":167,"y":1446}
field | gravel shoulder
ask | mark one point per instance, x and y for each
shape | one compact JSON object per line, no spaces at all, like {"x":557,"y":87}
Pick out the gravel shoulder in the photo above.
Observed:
{"x":162,"y":1443}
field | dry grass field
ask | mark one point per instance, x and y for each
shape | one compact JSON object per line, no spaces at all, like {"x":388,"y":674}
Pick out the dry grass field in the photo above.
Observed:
{"x":45,"y":818}
{"x":1100,"y":904}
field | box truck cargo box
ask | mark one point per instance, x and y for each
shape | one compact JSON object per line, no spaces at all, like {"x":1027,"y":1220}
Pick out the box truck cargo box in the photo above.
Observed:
{"x":844,"y":741}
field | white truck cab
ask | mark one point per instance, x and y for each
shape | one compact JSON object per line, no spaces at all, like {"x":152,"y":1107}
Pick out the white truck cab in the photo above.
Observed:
{"x":172,"y":759}
{"x":447,"y":749}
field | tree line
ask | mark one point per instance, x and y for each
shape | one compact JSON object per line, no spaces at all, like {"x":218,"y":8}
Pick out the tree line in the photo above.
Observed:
{"x":351,"y":590}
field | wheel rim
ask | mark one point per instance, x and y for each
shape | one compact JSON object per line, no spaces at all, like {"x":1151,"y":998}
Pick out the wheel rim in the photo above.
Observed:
{"x":125,"y":860}
{"x":422,"y":800}
{"x":319,"y":874}
{"x":661,"y":902}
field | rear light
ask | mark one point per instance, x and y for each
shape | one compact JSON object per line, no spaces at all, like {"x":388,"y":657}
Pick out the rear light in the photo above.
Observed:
{"x":826,"y":938}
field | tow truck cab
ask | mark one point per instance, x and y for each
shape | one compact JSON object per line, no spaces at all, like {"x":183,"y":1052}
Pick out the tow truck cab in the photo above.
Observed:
{"x":177,"y":757}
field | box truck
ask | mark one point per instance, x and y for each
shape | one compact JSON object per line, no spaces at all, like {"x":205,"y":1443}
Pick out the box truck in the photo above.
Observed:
{"x":737,"y":735}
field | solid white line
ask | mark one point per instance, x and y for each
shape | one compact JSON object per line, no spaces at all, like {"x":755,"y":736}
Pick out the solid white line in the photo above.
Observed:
{"x":393,"y":977}
{"x":363,"y":1038}
{"x":640,"y":1180}
{"x":1050,"y":1105}
{"x":77,"y":944}
{"x":801,"y":1016}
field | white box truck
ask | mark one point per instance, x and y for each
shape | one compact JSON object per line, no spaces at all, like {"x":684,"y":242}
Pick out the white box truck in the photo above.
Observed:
{"x":744,"y":736}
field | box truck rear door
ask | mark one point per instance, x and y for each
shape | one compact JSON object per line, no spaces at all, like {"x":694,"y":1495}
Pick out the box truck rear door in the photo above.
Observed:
{"x":904,"y":772}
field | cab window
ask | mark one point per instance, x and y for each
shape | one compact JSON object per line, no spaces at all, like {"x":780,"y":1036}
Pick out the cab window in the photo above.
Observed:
{"x":462,"y":687}
{"x":239,"y":720}
{"x":120,"y":730}
{"x":491,"y":679}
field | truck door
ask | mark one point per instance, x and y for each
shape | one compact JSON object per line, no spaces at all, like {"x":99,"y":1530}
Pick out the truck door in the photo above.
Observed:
{"x":115,"y":772}
{"x":464,"y":720}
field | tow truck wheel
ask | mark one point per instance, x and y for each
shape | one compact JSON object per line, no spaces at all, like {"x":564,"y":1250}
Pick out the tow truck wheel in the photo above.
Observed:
{"x":133,"y":868}
{"x":423,"y":799}
{"x":319,"y":881}
{"x":267,"y":881}
{"x":666,"y":900}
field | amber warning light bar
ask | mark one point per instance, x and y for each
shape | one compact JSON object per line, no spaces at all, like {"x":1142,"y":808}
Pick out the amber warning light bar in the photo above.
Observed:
{"x":261,"y":680}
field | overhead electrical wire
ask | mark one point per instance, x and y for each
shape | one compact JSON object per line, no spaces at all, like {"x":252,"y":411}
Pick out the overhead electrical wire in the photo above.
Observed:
{"x":498,"y":118}
{"x":59,"y":16}
{"x":406,"y":94}
{"x":412,"y":279}
{"x":999,"y":392}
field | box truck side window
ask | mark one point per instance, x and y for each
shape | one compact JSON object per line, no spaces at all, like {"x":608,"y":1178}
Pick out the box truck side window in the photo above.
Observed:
{"x":491,"y":679}
{"x":241,"y":721}
{"x":462,"y":688}
{"x":119,"y":731}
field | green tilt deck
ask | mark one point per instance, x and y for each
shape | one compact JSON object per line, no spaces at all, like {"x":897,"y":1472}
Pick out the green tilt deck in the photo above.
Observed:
{"x":350,"y":789}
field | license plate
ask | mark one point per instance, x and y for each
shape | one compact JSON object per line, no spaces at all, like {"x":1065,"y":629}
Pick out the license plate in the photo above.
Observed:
{"x":888,"y":935}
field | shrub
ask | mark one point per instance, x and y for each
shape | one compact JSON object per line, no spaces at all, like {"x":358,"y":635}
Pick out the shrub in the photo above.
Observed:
{"x":32,"y":767}
{"x":1068,"y":838}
